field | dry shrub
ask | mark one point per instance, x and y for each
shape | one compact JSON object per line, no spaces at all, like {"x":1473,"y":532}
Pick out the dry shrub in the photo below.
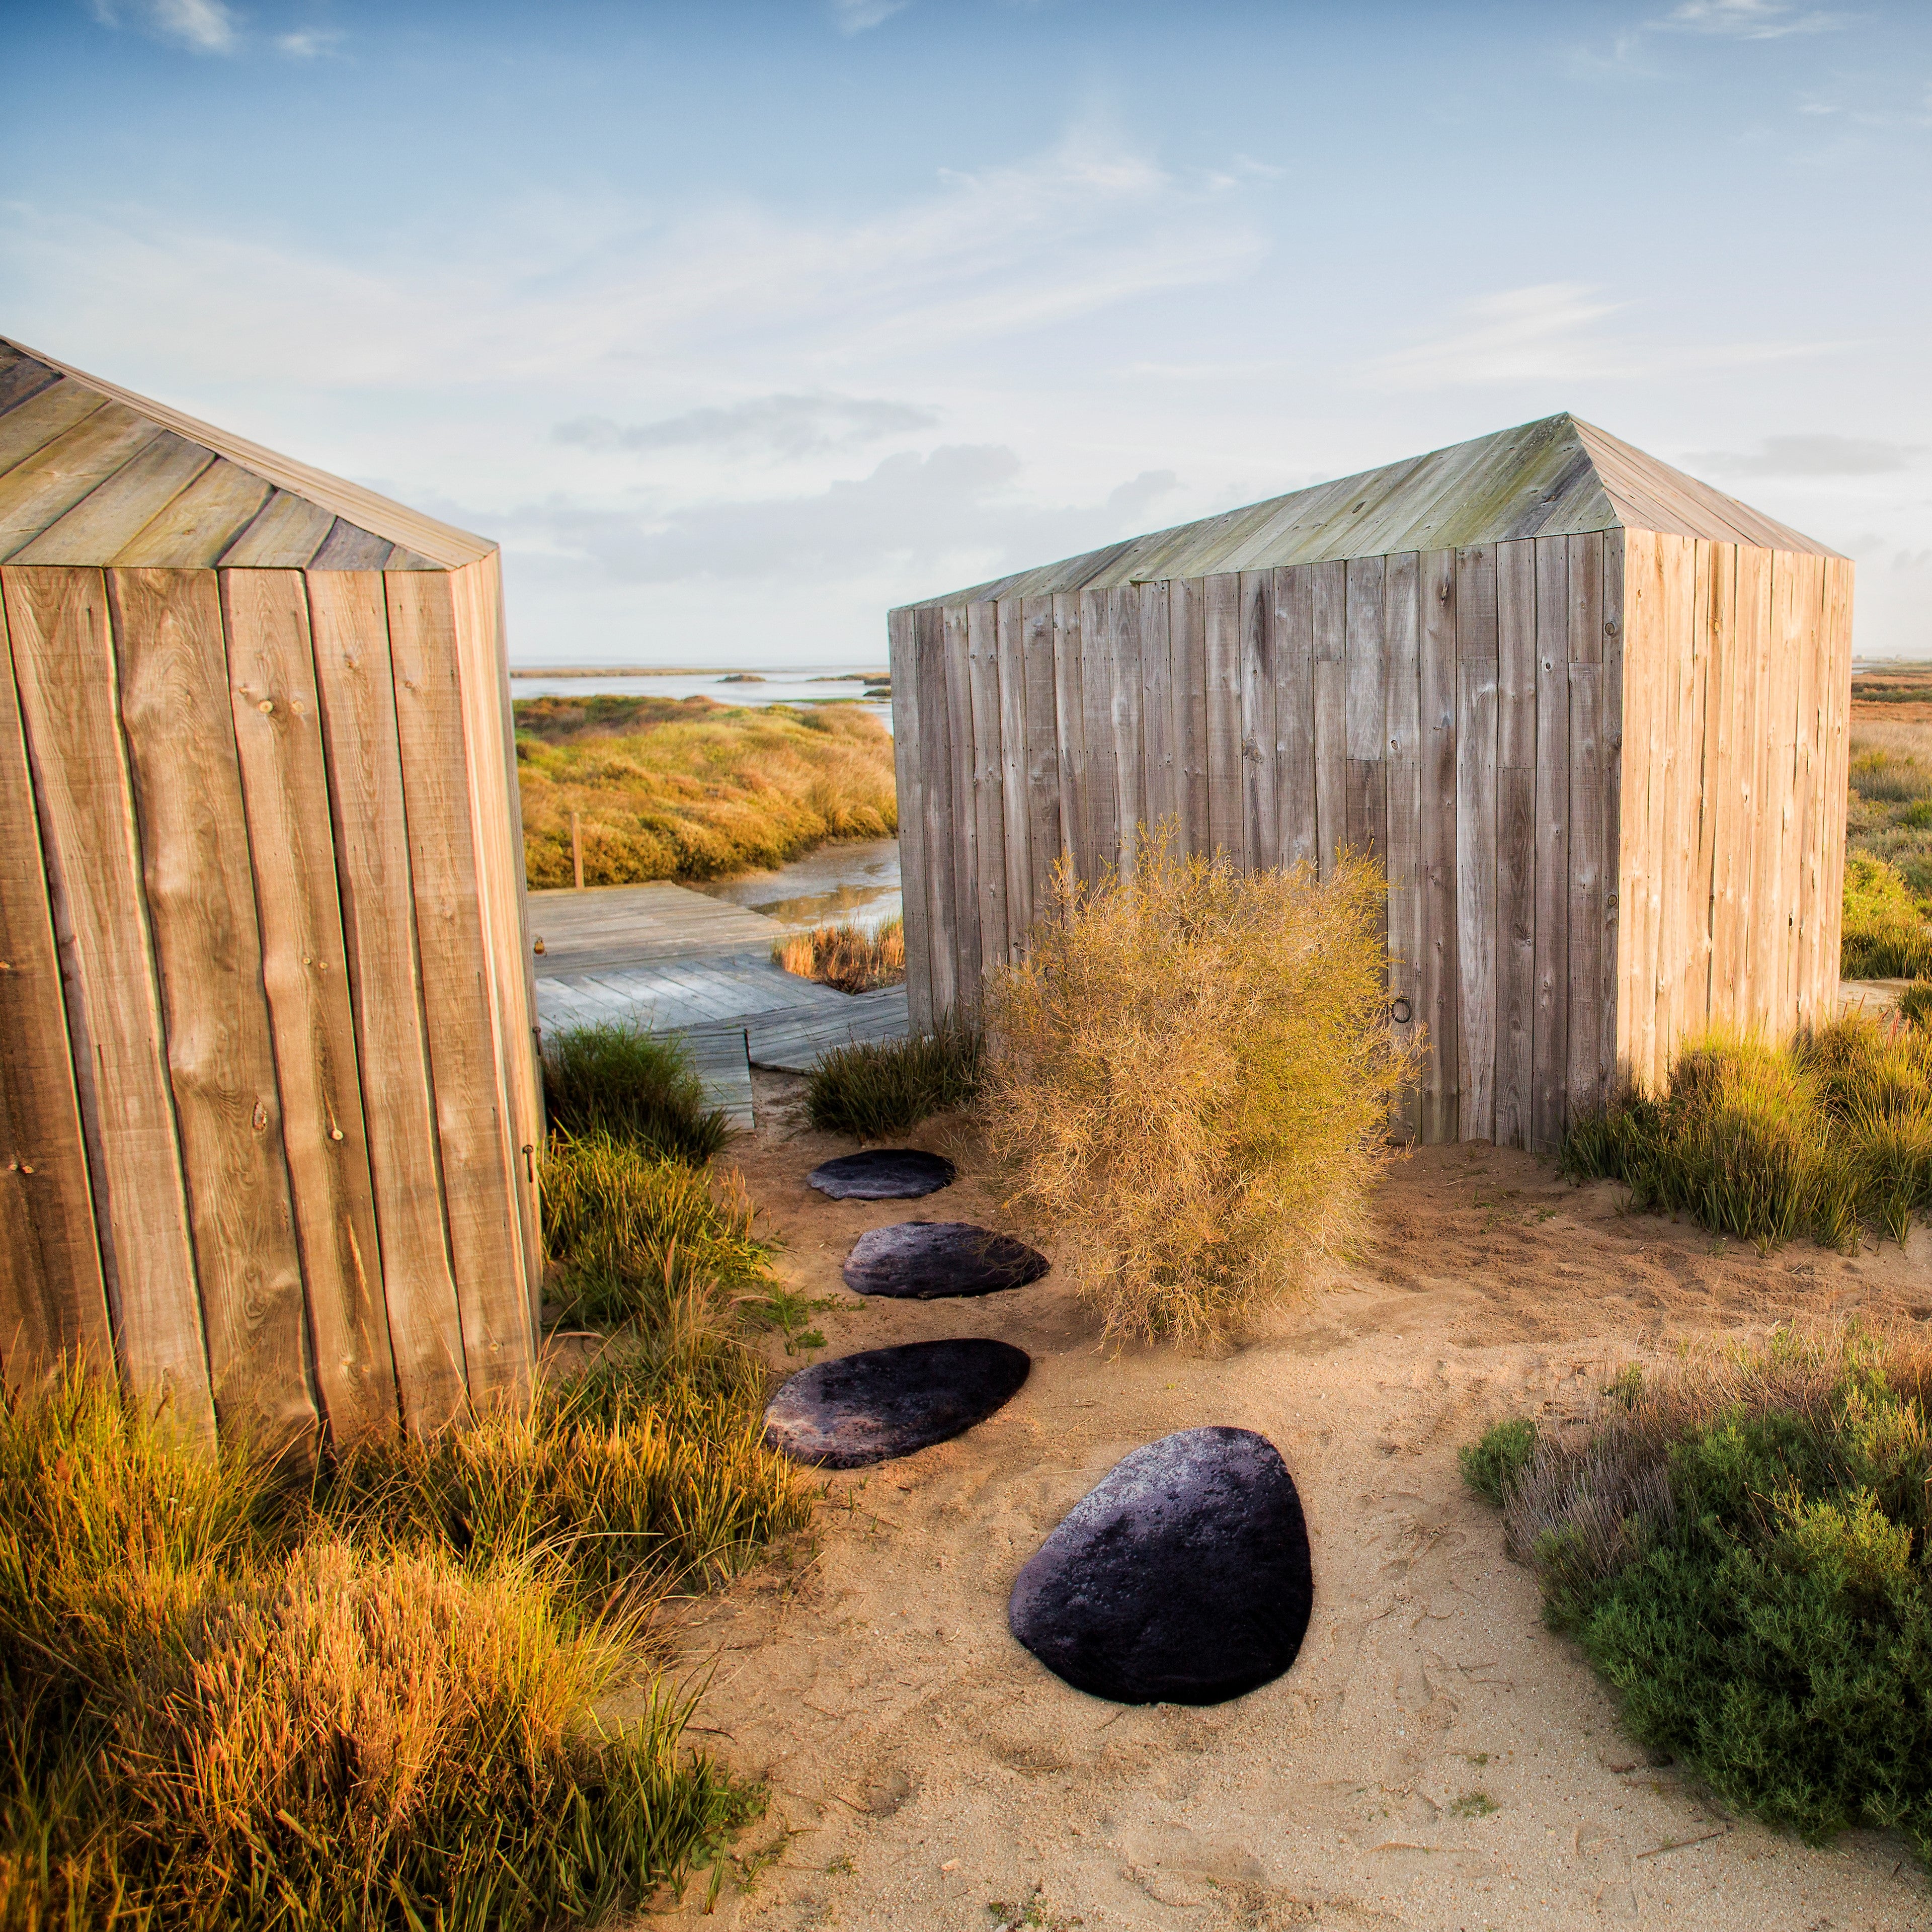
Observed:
{"x":847,"y":957}
{"x":1188,"y":1082}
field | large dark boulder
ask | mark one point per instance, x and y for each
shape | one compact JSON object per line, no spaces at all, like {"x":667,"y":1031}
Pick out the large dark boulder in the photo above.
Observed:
{"x":883,"y":1174}
{"x":885,"y":1402}
{"x":924,"y":1260}
{"x":1182,"y":1578}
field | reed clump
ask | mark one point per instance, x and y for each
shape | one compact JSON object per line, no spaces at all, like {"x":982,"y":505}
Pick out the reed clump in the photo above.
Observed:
{"x":1886,"y":934}
{"x":666,"y":789}
{"x":873,"y":1089}
{"x":613,"y":1079}
{"x":848,"y":957}
{"x":1828,"y":1134}
{"x":1188,"y":1082}
{"x":1739,"y":1543}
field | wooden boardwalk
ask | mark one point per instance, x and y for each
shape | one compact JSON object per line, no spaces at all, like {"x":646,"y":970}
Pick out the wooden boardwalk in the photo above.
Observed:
{"x":675,"y":961}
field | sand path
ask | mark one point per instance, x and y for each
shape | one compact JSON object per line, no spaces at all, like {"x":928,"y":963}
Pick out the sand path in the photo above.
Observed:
{"x":1435,"y":1759}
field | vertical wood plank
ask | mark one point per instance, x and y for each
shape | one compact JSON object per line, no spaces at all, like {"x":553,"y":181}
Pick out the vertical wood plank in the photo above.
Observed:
{"x":1549,"y":1105}
{"x":1439,"y":1103}
{"x":1226,"y":825}
{"x":1777,"y":869}
{"x":1756,"y":864}
{"x":1477,"y":806}
{"x":305,"y":970}
{"x":1130,"y":806}
{"x":1517,"y":677}
{"x":1585,"y":1050}
{"x":53,"y":1298}
{"x":1682,"y":739}
{"x":176,"y":713}
{"x":1364,"y":681}
{"x":355,"y":688}
{"x":1724,"y":826}
{"x":1160,"y":787}
{"x":64,"y":661}
{"x":1294,"y":626}
{"x":1046,"y":836}
{"x":1401,"y":732}
{"x":909,"y":755}
{"x":1613,"y":1064}
{"x":1838,"y":620}
{"x":1642,"y":804}
{"x":1694,"y":980}
{"x":1330,"y":599}
{"x":1260,"y":826}
{"x":965,"y":813}
{"x":935,"y":729}
{"x":1069,"y":700}
{"x":1808,"y":624}
{"x":1010,"y":646}
{"x":1099,"y":792}
{"x":988,"y":783}
{"x":473,"y":1128}
{"x":1187,"y":640}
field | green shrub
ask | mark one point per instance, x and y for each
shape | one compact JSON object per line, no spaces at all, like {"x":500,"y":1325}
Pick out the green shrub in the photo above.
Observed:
{"x":873,"y":1090}
{"x":1886,"y":935}
{"x":616,"y":1078}
{"x":1741,"y":1549}
{"x":1190,"y":1081}
{"x":1491,"y":1465}
{"x":1828,"y":1134}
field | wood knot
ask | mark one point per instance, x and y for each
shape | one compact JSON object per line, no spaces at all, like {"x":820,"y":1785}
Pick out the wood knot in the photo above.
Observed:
{"x":267,"y":705}
{"x":261,"y":1116}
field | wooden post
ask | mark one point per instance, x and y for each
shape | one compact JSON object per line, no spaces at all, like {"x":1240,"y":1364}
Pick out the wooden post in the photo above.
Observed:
{"x":577,"y":849}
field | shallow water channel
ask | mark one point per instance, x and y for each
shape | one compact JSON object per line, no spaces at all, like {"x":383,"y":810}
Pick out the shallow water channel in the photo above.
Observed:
{"x":848,"y":882}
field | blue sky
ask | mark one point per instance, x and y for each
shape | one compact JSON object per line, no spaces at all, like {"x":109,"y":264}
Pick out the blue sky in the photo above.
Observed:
{"x":737,"y":323}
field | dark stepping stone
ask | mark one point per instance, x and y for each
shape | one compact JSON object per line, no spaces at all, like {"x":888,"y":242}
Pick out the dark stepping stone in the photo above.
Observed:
{"x":1182,"y":1578}
{"x":923,"y":1260}
{"x":889,"y":1402}
{"x":883,"y":1174}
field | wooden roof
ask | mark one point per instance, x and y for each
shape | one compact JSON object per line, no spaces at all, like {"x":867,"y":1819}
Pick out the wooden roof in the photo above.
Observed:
{"x":1560,"y":476}
{"x":91,"y":473}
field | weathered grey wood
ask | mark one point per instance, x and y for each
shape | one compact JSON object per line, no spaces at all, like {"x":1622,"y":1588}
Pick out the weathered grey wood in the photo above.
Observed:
{"x":1099,"y":673}
{"x":193,"y":530}
{"x":1477,"y":802}
{"x":305,"y":970}
{"x":1046,"y":834}
{"x":1222,"y":607}
{"x":284,"y":535}
{"x":1331,"y":610}
{"x":909,"y":750}
{"x":42,"y":488}
{"x":1010,"y":646}
{"x":175,"y":710}
{"x":1439,"y":1103}
{"x":1646,"y":692}
{"x":53,"y":1298}
{"x":962,"y":763}
{"x":1129,"y":807}
{"x":1187,"y":636}
{"x":1549,"y":1103}
{"x":1160,"y":773}
{"x":1516,"y":842}
{"x":1402,"y":734}
{"x":1365,"y":679}
{"x":988,"y":780}
{"x":1261,"y":826}
{"x":1612,"y":1065}
{"x":935,"y":729}
{"x":482,"y":1211}
{"x":1070,"y":708}
{"x":63,"y":658}
{"x":1294,"y":634}
{"x":112,"y":514}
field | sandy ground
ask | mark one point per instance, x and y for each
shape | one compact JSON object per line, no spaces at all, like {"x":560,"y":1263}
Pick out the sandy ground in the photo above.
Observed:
{"x":1435,"y":1759}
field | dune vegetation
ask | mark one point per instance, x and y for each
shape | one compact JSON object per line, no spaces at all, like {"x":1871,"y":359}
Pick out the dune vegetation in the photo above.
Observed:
{"x":847,"y":957}
{"x":689,"y":789}
{"x":1887,"y":922}
{"x":1739,"y":1545}
{"x":236,"y":1695}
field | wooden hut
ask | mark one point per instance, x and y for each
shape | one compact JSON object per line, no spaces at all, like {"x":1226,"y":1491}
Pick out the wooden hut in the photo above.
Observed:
{"x":1589,"y":712}
{"x":269,"y":1105}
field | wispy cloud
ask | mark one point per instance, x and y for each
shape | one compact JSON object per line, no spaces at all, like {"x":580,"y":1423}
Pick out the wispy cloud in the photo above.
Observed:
{"x":1817,"y":455}
{"x":855,"y":16}
{"x":1749,"y":19}
{"x":202,"y":26}
{"x":307,"y":43}
{"x":782,"y":425}
{"x":1549,"y":333}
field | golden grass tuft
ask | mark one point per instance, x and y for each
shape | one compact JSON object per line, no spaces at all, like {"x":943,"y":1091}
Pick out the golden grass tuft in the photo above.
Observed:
{"x":694,"y":790}
{"x":847,"y":957}
{"x":1189,"y":1083}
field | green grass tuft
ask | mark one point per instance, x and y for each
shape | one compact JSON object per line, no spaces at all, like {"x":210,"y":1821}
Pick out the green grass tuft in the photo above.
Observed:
{"x":1886,"y":934}
{"x":615,"y":1078}
{"x":1740,"y":1546}
{"x":1493,"y":1466}
{"x":871,"y":1091}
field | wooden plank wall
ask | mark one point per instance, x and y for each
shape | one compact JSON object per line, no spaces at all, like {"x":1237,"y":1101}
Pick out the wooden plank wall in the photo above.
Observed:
{"x":1553,"y":745}
{"x":270,"y":1075}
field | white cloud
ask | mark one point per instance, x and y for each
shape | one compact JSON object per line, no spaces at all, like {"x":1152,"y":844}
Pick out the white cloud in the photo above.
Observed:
{"x":1547,"y":333}
{"x":780,"y":425}
{"x":1748,"y":19}
{"x":202,"y":26}
{"x":1816,"y":455}
{"x":855,"y":16}
{"x":308,"y":43}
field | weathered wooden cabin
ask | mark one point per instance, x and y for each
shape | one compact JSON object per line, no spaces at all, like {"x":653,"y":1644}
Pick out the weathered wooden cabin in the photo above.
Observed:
{"x":1590,"y":713}
{"x":269,"y":1104}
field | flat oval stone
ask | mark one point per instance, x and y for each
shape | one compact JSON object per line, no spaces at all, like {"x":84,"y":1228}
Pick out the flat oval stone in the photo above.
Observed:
{"x":1181,"y":1578}
{"x":923,"y":1260}
{"x":884,"y":1402}
{"x":883,"y":1174}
